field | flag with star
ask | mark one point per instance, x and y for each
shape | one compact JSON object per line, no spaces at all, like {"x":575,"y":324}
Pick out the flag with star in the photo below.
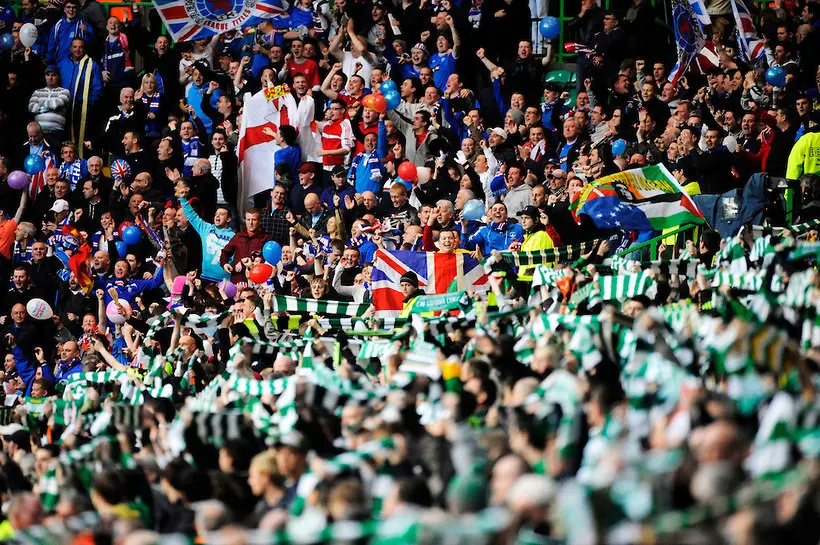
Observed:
{"x":640,"y":199}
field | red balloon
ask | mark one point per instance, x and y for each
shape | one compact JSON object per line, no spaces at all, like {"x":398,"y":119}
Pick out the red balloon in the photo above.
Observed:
{"x":570,"y":47}
{"x":408,"y":172}
{"x":379,"y":104}
{"x":123,"y":225}
{"x":260,"y":273}
{"x":367,"y":102}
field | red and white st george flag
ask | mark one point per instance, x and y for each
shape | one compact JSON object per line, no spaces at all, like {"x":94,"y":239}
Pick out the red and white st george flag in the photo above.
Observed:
{"x":262,"y":115}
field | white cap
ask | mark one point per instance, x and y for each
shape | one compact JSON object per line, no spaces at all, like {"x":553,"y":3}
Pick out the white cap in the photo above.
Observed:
{"x":499,"y":132}
{"x":60,"y":205}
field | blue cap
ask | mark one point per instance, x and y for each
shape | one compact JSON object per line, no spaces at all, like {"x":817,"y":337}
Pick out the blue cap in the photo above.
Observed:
{"x":52,"y":68}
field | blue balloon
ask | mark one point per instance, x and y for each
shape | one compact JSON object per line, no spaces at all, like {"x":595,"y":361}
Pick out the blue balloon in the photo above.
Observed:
{"x":34,"y":164}
{"x":392,"y":99}
{"x":6,"y":41}
{"x":776,"y":76}
{"x":473,"y":210}
{"x":122,"y":249}
{"x":618,"y":147}
{"x":131,"y":234}
{"x":272,"y":252}
{"x":549,"y":27}
{"x":388,"y":86}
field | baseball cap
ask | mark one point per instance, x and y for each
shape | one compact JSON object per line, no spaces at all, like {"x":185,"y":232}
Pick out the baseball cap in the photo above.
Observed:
{"x":558,"y":173}
{"x":52,"y":68}
{"x":530,"y":211}
{"x":339,"y":170}
{"x":307,"y":167}
{"x":498,"y":131}
{"x":60,"y":205}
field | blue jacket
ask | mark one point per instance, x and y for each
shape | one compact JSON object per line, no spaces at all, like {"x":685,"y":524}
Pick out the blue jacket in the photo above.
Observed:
{"x":59,"y":41}
{"x":330,"y":192}
{"x":495,"y":237}
{"x":27,"y":372}
{"x":70,"y":73}
{"x":128,"y":289}
{"x":366,"y":172}
{"x":213,"y":241}
{"x":66,"y":369}
{"x":194,"y":96}
{"x":291,"y":155}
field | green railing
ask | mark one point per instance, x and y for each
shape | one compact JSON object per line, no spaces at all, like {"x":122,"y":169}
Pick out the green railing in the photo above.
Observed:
{"x":654,"y":243}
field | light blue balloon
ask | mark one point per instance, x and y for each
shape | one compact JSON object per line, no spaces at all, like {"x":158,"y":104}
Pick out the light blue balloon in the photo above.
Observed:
{"x":34,"y":164}
{"x":392,"y":99}
{"x":272,"y":252}
{"x":618,"y":146}
{"x":122,"y":249}
{"x":549,"y":27}
{"x":776,"y":76}
{"x":387,"y":86}
{"x":473,"y":210}
{"x":131,"y":234}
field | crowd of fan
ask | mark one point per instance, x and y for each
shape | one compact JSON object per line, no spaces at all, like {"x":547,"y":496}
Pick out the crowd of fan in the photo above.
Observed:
{"x":511,"y":448}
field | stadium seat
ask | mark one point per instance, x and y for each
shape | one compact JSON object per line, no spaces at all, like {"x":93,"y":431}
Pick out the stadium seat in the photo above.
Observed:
{"x":558,"y":76}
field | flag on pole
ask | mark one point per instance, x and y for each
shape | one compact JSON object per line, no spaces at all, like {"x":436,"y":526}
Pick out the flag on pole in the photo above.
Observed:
{"x":188,"y":20}
{"x":750,"y":45}
{"x":689,"y":37}
{"x":437,"y":273}
{"x":699,"y":9}
{"x":639,"y":199}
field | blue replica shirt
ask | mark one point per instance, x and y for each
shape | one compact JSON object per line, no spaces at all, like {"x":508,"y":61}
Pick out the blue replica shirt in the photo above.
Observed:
{"x":442,"y":65}
{"x":74,"y":172}
{"x":213,"y":242}
{"x":562,"y":157}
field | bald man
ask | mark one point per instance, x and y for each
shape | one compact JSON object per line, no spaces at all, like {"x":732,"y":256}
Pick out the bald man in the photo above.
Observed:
{"x":316,"y":215}
{"x":69,"y":362}
{"x":284,"y":365}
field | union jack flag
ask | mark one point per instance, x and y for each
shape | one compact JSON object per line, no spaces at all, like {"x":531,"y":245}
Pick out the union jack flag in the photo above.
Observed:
{"x":38,"y":181}
{"x":751,"y":47}
{"x":437,"y":273}
{"x":194,"y":19}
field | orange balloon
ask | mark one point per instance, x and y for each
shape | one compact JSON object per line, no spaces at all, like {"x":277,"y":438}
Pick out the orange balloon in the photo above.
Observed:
{"x":379,"y":104}
{"x":368,"y":101}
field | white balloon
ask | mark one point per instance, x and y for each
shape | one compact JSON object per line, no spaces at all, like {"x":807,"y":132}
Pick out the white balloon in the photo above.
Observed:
{"x":423,"y":174}
{"x":28,"y":34}
{"x":39,"y":309}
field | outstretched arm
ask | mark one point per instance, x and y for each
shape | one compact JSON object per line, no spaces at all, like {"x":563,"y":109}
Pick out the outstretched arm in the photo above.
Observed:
{"x":22,"y":207}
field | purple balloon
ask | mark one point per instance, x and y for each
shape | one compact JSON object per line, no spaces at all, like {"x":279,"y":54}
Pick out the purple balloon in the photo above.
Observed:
{"x":229,"y":287}
{"x":18,"y":179}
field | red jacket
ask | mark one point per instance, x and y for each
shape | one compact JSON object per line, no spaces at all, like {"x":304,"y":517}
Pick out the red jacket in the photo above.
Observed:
{"x":242,"y":245}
